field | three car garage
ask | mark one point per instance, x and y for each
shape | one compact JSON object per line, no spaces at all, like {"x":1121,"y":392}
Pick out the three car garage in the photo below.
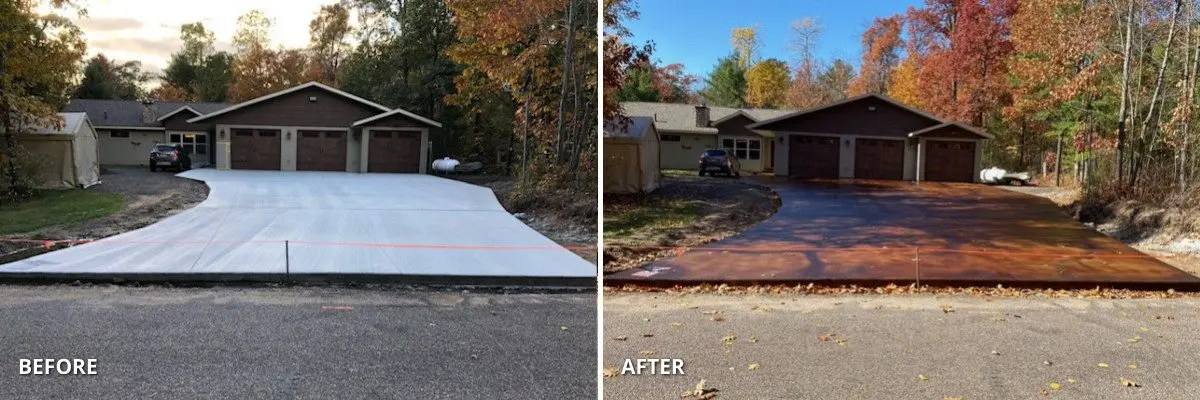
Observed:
{"x":313,"y":127}
{"x":873,"y":137}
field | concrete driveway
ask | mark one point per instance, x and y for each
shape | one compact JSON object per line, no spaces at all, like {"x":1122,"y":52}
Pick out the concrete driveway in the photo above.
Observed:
{"x":267,"y":224}
{"x":878,"y":232}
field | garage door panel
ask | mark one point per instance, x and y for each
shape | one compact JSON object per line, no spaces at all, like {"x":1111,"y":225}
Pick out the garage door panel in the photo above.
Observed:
{"x":949,"y":161}
{"x":813,"y":157}
{"x":255,"y":149}
{"x":321,"y":151}
{"x":879,"y":159}
{"x":394,"y":151}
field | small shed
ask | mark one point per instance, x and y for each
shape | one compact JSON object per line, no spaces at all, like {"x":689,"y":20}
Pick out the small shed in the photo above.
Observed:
{"x":68,"y":155}
{"x":631,"y":156}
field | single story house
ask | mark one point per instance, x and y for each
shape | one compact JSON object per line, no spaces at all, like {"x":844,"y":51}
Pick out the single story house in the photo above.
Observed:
{"x":67,"y":155}
{"x":314,"y":127}
{"x":686,"y":131}
{"x":128,"y":129}
{"x":631,"y":156}
{"x":873,"y":137}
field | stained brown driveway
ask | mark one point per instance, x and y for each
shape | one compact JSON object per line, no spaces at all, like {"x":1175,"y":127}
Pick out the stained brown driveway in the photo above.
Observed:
{"x":878,"y":232}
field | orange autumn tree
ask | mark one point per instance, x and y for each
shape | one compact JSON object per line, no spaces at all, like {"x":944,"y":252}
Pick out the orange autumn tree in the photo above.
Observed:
{"x":169,"y":92}
{"x":881,"y":44}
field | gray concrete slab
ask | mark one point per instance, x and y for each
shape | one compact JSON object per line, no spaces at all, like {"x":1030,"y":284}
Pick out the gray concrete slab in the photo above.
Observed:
{"x":270,"y":222}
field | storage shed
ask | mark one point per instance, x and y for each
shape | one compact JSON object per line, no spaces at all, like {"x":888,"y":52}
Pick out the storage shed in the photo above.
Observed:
{"x":68,"y":155}
{"x":631,"y":156}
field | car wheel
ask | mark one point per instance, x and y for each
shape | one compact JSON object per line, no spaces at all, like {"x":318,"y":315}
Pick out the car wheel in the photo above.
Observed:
{"x":701,"y":172}
{"x":152,"y":167}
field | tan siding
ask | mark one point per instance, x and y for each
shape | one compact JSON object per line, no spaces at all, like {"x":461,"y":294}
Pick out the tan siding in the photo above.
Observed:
{"x":685,"y":153}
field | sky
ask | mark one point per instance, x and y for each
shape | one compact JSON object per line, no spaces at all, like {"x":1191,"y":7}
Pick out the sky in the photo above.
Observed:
{"x":148,"y":31}
{"x":696,"y":32}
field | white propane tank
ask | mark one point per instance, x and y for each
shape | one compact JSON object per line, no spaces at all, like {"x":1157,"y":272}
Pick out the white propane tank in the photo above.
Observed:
{"x":445,"y":164}
{"x":992,"y":175}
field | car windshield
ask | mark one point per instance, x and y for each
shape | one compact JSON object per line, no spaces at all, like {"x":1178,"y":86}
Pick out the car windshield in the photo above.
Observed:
{"x":164,"y":148}
{"x":714,"y":153}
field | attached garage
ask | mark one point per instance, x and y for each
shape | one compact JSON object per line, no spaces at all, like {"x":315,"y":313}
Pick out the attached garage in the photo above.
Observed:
{"x":314,"y":127}
{"x":873,"y":137}
{"x":879,"y":159}
{"x":321,"y":150}
{"x":813,"y":157}
{"x":255,"y":149}
{"x":395,"y":151}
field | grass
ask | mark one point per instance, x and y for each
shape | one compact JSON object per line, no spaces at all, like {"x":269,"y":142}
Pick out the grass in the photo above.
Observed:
{"x":57,"y":207}
{"x":646,"y":215}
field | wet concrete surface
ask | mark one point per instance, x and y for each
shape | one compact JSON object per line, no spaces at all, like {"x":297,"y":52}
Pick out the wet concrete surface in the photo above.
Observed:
{"x":878,"y":232}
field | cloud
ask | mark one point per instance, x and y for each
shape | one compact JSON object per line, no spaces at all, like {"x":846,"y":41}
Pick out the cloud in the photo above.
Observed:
{"x":103,"y":24}
{"x":148,"y":49}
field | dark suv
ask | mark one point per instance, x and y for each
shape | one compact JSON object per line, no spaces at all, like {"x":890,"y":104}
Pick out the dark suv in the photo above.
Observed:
{"x":169,"y":156}
{"x":720,"y":160}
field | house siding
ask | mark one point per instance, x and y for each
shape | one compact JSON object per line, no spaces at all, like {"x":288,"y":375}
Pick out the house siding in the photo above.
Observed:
{"x":294,"y":109}
{"x":132,"y":150}
{"x":855,"y":118}
{"x":685,"y":153}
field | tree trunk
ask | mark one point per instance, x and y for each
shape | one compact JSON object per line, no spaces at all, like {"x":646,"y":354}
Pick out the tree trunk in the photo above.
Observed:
{"x":1122,"y":123}
{"x":1058,"y":162}
{"x":568,"y":57}
{"x":1162,"y":69}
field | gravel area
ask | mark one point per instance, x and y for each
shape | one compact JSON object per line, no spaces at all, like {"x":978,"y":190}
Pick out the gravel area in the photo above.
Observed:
{"x":727,"y":206}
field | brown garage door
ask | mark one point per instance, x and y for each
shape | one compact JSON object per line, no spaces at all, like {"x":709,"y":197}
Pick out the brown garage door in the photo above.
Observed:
{"x":254,"y":149}
{"x":812,"y":157}
{"x":394,"y":151}
{"x":878,"y":159}
{"x":947,"y":161}
{"x":321,"y":151}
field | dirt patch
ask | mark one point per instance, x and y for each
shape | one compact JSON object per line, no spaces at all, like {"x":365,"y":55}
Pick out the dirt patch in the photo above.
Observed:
{"x":686,"y":211}
{"x":149,"y":197}
{"x":1171,"y":235}
{"x":568,"y":217}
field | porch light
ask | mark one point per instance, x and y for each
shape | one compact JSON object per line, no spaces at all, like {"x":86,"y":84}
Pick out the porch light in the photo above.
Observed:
{"x":847,"y":142}
{"x":288,"y":135}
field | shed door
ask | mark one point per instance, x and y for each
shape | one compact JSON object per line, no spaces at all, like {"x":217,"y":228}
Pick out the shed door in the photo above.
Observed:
{"x":813,"y":157}
{"x":321,"y":151}
{"x":949,"y":161}
{"x":879,"y":159}
{"x":255,"y":149}
{"x":394,"y":151}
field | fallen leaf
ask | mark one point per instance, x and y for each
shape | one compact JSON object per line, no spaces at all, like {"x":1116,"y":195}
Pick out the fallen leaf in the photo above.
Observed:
{"x":953,"y":398}
{"x":995,"y":353}
{"x":922,"y":378}
{"x":1047,"y":362}
{"x":947,"y":309}
{"x":1102,"y":365}
{"x":1071,"y":381}
{"x":645,"y":319}
{"x":841,"y":342}
{"x":711,"y":312}
{"x":826,"y":337}
{"x":729,"y":339}
{"x":1144,"y":329}
{"x":647,"y":335}
{"x":754,"y":366}
{"x":611,"y":372}
{"x":621,"y":338}
{"x":1133,"y":366}
{"x":562,"y":328}
{"x":753,"y":339}
{"x":1129,"y":383}
{"x":647,"y":352}
{"x":700,"y":391}
{"x":1135,"y":339}
{"x":760,"y":309}
{"x":717,"y":319}
{"x":1055,"y":386}
{"x":677,"y":324}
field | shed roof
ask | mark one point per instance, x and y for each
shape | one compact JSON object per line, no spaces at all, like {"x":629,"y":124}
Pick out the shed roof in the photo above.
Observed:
{"x":637,"y":128}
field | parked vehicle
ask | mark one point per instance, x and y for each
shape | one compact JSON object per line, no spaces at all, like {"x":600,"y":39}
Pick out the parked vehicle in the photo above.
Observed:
{"x":169,"y":156}
{"x":722,"y":161}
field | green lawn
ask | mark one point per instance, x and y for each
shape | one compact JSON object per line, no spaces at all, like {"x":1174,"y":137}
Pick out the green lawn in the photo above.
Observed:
{"x":647,"y":215}
{"x":57,"y":207}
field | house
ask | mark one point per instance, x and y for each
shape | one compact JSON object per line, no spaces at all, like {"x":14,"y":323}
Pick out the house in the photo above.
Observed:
{"x":631,"y":156}
{"x":128,"y":129}
{"x":314,"y":127}
{"x":864,"y":137}
{"x":67,"y":155}
{"x":687,"y":130}
{"x":873,"y":137}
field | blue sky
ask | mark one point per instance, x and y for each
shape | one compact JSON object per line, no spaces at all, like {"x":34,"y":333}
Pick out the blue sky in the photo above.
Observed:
{"x":697,"y":32}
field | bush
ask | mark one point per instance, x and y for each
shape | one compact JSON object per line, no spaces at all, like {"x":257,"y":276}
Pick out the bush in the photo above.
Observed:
{"x":27,"y":175}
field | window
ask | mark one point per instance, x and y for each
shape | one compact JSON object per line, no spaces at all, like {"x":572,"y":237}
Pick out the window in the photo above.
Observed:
{"x":197,"y":143}
{"x":746,"y":149}
{"x":118,"y":134}
{"x":670,"y":138}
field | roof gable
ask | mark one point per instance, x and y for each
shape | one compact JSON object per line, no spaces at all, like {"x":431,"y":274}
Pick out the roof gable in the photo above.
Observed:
{"x":869,"y":114}
{"x":397,"y":114}
{"x":281,"y":93}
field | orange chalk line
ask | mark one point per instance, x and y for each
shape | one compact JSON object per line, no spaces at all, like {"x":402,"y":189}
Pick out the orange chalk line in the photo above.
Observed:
{"x":680,"y":250}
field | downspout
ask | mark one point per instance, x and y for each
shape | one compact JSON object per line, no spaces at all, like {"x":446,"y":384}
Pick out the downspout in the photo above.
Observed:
{"x":917,"y":176}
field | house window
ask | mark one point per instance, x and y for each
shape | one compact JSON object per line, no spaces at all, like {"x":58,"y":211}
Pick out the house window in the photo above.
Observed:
{"x":118,"y":134}
{"x":194,"y":143}
{"x":746,"y":149}
{"x":670,"y":138}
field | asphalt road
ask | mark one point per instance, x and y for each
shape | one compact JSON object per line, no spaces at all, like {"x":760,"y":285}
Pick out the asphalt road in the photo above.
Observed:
{"x":891,"y":341}
{"x":299,"y":343}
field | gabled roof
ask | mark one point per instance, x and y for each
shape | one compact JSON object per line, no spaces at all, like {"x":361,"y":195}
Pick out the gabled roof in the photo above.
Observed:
{"x":293,"y":89}
{"x":731,"y":116}
{"x":177,"y":111}
{"x":394,"y":112}
{"x":846,"y":101}
{"x":967,"y":128}
{"x":133,"y":114}
{"x":675,"y":117}
{"x":637,"y":128}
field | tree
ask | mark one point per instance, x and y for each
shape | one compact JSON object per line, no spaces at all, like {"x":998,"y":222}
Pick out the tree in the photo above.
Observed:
{"x":835,"y":81}
{"x":620,"y":58}
{"x":906,"y":85}
{"x":767,"y":84}
{"x":105,"y":79}
{"x":881,"y":44}
{"x":747,"y":46}
{"x":214,"y":78}
{"x":650,"y":82}
{"x":805,"y":91}
{"x":726,"y":84}
{"x":184,"y":68}
{"x":168,"y":92}
{"x":259,"y":70}
{"x":327,"y":40}
{"x":40,"y":55}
